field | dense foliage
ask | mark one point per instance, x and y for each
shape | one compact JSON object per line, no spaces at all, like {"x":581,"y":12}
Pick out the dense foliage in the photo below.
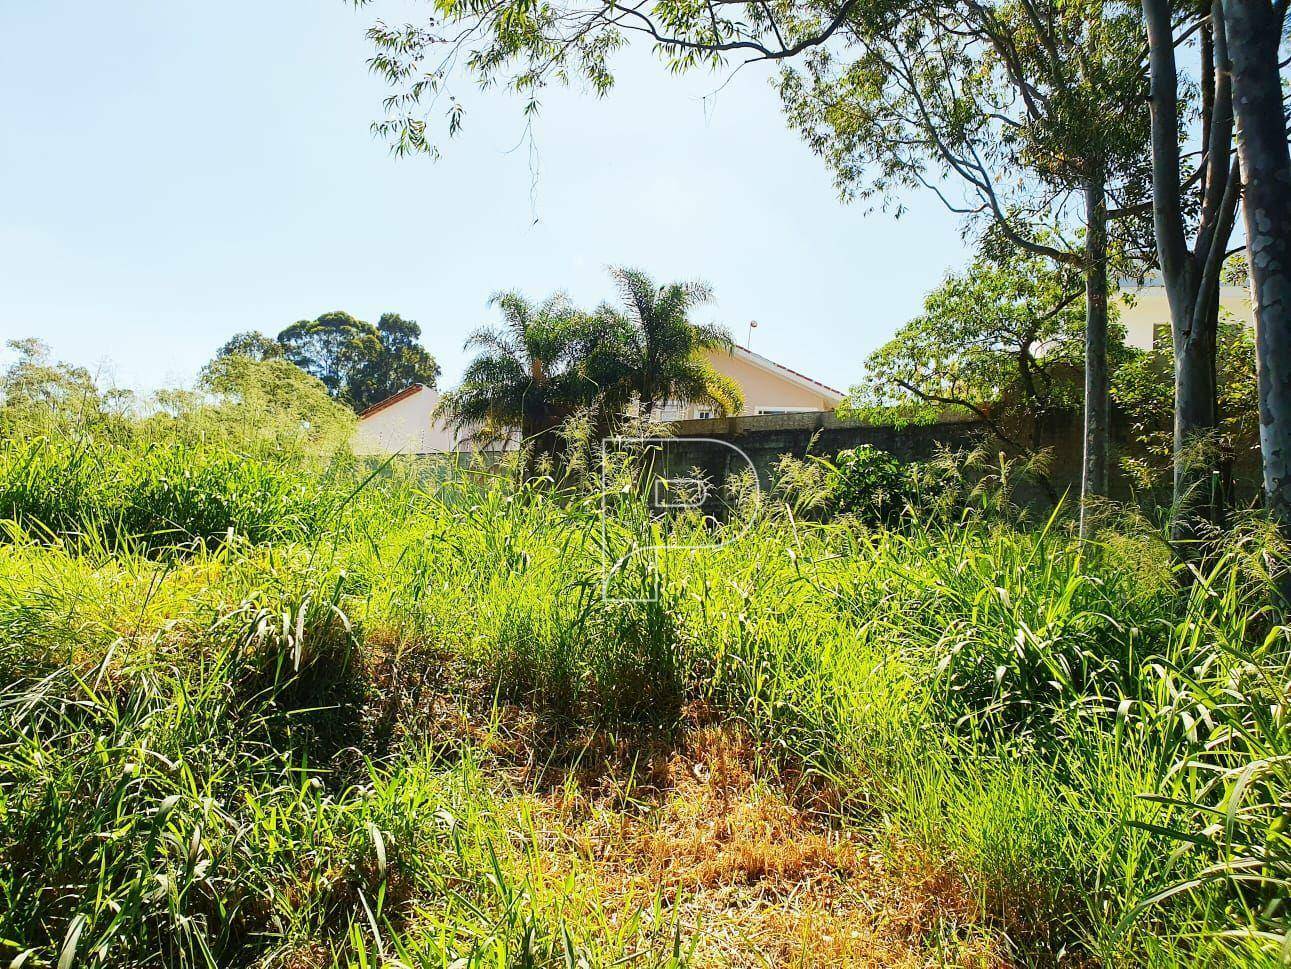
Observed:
{"x":357,"y":362}
{"x":38,"y":393}
{"x":1002,"y":340}
{"x":551,"y":360}
{"x":868,"y":483}
{"x":1144,"y":391}
{"x":546,"y":361}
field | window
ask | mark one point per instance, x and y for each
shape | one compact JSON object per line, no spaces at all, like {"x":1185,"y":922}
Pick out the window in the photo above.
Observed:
{"x":705,"y":415}
{"x":767,"y":411}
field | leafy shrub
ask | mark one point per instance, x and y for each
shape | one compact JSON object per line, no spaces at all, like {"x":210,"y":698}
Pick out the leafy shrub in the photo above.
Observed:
{"x":267,"y":404}
{"x":39,"y":395}
{"x":869,"y":484}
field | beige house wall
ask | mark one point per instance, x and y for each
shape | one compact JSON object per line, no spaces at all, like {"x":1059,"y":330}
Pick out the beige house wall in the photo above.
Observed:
{"x":768,"y":388}
{"x":1151,"y":311}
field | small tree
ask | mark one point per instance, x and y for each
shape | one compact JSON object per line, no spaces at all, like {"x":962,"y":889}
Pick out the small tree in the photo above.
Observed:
{"x":270,"y":402}
{"x":40,"y":395}
{"x":1002,"y":341}
{"x":551,"y":360}
{"x":531,"y":373}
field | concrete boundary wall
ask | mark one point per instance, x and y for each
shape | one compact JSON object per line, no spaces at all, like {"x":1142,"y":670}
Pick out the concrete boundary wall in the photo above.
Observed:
{"x":701,"y":444}
{"x":765,"y":438}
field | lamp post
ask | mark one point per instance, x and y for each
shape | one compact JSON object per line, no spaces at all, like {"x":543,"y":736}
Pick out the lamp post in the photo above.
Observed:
{"x":748,"y":342}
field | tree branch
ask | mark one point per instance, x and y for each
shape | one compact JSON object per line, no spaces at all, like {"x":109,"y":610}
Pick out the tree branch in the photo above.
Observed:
{"x":975,"y":409}
{"x":647,"y":26}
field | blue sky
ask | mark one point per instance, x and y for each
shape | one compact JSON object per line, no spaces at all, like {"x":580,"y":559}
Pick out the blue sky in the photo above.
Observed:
{"x":174,"y":172}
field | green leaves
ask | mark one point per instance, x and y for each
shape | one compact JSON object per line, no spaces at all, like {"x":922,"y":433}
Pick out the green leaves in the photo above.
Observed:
{"x":665,"y":362}
{"x":1144,"y":389}
{"x":1002,"y":341}
{"x":551,"y":360}
{"x":868,"y":484}
{"x":357,"y":362}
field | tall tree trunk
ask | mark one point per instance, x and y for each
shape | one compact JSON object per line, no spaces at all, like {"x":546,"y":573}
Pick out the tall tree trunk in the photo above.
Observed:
{"x":1253,"y":34}
{"x":1093,"y":479}
{"x":1196,"y":488}
{"x":1191,"y":279}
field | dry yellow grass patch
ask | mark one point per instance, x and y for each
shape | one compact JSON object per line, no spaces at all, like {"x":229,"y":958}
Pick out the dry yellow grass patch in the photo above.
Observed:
{"x":755,"y":879}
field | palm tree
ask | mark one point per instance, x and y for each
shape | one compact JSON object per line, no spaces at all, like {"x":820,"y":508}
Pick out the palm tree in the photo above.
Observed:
{"x":549,"y":361}
{"x":522,"y":376}
{"x":666,"y":360}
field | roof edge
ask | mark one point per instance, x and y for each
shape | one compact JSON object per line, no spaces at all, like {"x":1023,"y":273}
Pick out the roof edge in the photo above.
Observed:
{"x":392,"y":399}
{"x":766,"y":363}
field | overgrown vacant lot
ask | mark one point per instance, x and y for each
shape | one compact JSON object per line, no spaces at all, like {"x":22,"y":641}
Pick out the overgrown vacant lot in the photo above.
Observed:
{"x":258,"y":711}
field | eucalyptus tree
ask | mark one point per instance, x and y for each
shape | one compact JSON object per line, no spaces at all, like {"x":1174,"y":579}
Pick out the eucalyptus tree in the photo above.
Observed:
{"x":1193,"y":216}
{"x":1036,"y":107}
{"x":331,"y":348}
{"x":399,"y":361}
{"x":359,"y":363}
{"x":1026,"y":116}
{"x":251,"y":344}
{"x":1254,"y":31}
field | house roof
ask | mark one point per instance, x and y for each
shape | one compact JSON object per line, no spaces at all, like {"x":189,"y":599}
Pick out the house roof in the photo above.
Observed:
{"x":744,"y":353}
{"x":392,"y":399}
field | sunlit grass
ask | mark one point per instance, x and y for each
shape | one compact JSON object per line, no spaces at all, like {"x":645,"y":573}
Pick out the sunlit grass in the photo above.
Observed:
{"x":268,"y":708}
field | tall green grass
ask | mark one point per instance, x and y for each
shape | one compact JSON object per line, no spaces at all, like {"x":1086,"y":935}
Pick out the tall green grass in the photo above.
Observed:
{"x":218,"y":743}
{"x":164,"y":495}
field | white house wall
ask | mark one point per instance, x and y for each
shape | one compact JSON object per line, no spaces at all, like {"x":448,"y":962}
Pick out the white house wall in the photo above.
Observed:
{"x":404,"y":427}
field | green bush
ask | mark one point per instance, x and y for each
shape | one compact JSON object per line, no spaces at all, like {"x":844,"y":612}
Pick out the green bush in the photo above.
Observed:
{"x":869,"y":484}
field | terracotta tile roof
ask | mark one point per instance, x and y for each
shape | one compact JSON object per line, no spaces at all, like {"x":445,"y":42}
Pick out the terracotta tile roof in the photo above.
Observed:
{"x":392,"y":399}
